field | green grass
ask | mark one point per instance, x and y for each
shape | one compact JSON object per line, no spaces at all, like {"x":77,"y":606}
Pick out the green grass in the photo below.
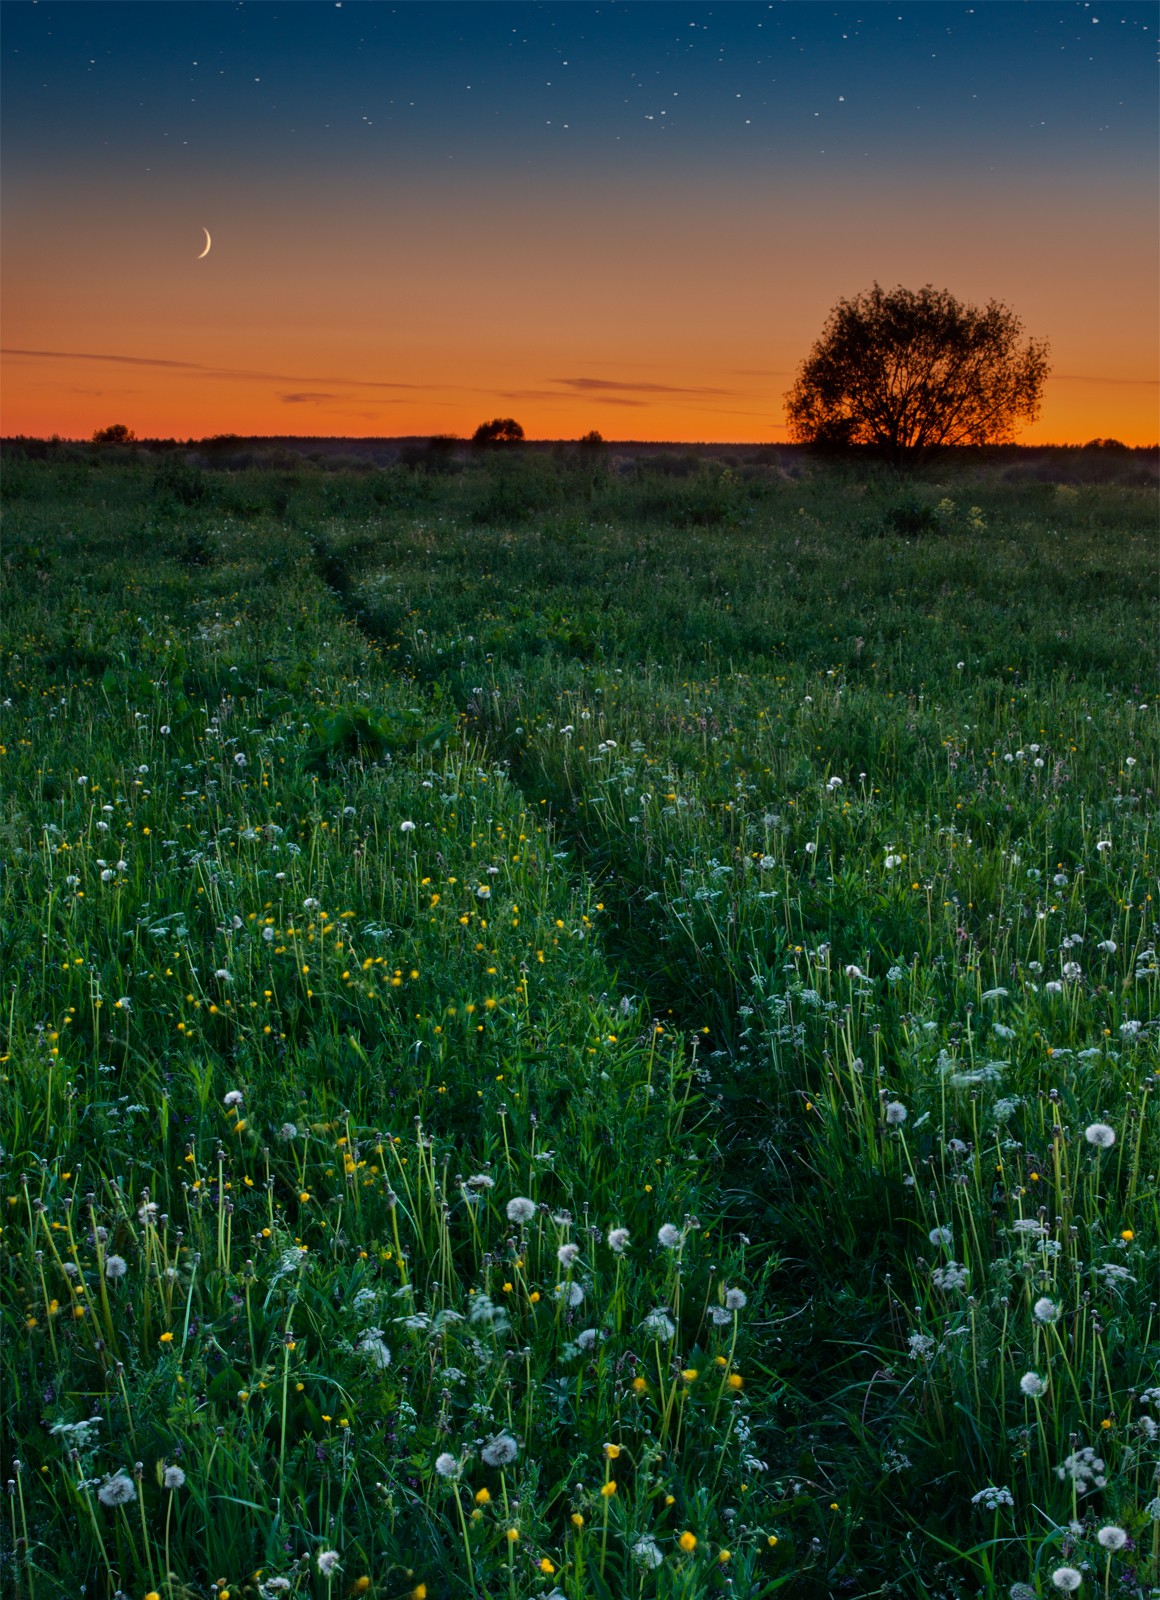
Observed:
{"x":696,"y":853}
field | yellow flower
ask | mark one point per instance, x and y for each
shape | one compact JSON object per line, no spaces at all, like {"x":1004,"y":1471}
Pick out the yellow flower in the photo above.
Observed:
{"x":724,"y":1555}
{"x":360,"y":1585}
{"x":735,"y":1380}
{"x":577,"y":1520}
{"x":690,"y":1374}
{"x":482,"y":1497}
{"x":546,"y":1566}
{"x":771,"y":1540}
{"x":688,"y":1542}
{"x":1127,"y":1234}
{"x":419,"y":1592}
{"x":612,"y":1451}
{"x":513,"y":1536}
{"x":166,"y":1338}
{"x":639,"y":1385}
{"x":153,"y":1595}
{"x":608,"y":1489}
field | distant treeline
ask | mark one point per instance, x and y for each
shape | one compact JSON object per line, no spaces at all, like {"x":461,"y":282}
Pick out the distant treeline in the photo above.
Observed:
{"x":1097,"y":461}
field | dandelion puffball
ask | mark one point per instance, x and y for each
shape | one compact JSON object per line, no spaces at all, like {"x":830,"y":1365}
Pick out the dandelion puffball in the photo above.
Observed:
{"x":1099,"y":1134}
{"x":446,"y":1465}
{"x":1067,"y":1579}
{"x":327,"y":1561}
{"x":895,"y":1113}
{"x":115,"y":1267}
{"x":669,"y":1236}
{"x":520,"y":1209}
{"x":1045,"y":1310}
{"x":174,"y":1478}
{"x":501,"y":1452}
{"x":1112,"y":1538}
{"x":617,"y":1239}
{"x":1033,"y":1385}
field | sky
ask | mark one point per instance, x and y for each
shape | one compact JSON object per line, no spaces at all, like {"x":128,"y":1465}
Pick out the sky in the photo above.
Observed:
{"x":633,"y":217}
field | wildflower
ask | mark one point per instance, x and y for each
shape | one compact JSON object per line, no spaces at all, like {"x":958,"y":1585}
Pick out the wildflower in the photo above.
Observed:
{"x":659,"y":1324}
{"x":571,"y":1293}
{"x":647,"y":1552}
{"x":483,"y":1497}
{"x":501,"y":1452}
{"x":1072,"y":971}
{"x":166,"y":1338}
{"x":173,"y":1478}
{"x":1112,"y":1538}
{"x":1108,"y":946}
{"x":235,"y":1096}
{"x":940,"y":1236}
{"x":608,"y":1489}
{"x":952,"y":1276}
{"x":617,"y":1239}
{"x":736,"y":1299}
{"x":546,"y":1566}
{"x":854,"y":972}
{"x":446,"y":1465}
{"x":566,"y":1254}
{"x":1045,"y":1310}
{"x":895,"y":1113}
{"x":991,"y":1498}
{"x":1067,"y":1579}
{"x":327,"y":1561}
{"x":117,"y":1490}
{"x":735,"y":1381}
{"x":115,"y":1267}
{"x":811,"y":849}
{"x":512,"y":1536}
{"x":287,"y":1132}
{"x":892,"y":862}
{"x":1033,"y":1385}
{"x":480,"y":1180}
{"x":669,"y":1236}
{"x":520,"y":1209}
{"x":1021,"y":1591}
{"x":688,"y":1542}
{"x":1099,"y":1134}
{"x":375,"y":1348}
{"x":586,"y":1340}
{"x":1084,"y":1468}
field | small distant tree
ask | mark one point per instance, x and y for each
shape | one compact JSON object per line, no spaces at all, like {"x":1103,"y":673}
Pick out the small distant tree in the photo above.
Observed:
{"x":913,"y":372}
{"x":592,"y":440}
{"x":500,"y":430}
{"x":116,"y":433}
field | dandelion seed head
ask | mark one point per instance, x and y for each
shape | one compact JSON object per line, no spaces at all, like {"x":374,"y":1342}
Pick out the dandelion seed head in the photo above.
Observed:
{"x":1100,"y":1135}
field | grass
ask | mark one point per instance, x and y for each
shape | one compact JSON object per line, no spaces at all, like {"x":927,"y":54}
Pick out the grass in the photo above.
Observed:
{"x":578,"y":1032}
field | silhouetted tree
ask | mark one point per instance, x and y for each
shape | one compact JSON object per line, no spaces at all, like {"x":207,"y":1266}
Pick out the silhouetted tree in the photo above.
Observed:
{"x":500,"y":430}
{"x":592,"y":440}
{"x":911,"y":373}
{"x":116,"y":433}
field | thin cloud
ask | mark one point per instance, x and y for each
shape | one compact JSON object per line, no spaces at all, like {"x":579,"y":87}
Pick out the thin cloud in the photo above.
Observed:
{"x":306,"y":397}
{"x":210,"y":372}
{"x":593,"y":385}
{"x":1071,"y":377}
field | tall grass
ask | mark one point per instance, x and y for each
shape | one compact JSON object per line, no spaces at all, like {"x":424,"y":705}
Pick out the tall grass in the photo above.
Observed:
{"x":569,"y":1039}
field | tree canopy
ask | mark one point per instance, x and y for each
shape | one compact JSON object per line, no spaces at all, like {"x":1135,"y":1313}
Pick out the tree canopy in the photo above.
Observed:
{"x":913,"y":372}
{"x":500,"y":430}
{"x":115,"y":433}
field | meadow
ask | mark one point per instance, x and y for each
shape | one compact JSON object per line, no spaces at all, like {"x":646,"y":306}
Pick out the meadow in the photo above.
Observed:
{"x":578,"y":1029}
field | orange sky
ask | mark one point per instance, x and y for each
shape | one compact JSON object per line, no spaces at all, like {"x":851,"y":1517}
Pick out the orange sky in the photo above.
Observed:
{"x":673,"y":310}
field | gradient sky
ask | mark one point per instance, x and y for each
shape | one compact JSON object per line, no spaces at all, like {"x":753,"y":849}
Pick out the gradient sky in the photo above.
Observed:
{"x":632,"y":217}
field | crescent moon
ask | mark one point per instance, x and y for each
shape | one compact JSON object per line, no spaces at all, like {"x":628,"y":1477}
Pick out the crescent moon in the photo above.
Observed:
{"x":208,"y":242}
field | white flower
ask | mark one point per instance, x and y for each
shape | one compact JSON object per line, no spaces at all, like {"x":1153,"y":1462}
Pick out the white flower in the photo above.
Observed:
{"x":374,"y":1347}
{"x":617,"y":1239}
{"x":501,"y":1452}
{"x":854,"y":972}
{"x":736,"y":1299}
{"x":117,"y":1490}
{"x":239,"y":760}
{"x":1099,"y":1134}
{"x":1103,"y":846}
{"x":287,"y":1132}
{"x":834,"y":783}
{"x":893,"y":861}
{"x":233,"y":1098}
{"x":647,"y":1551}
{"x":1067,"y":1579}
{"x":669,"y":1236}
{"x":1033,"y":1385}
{"x":571,"y":1293}
{"x":1112,"y":1538}
{"x":520,"y":1209}
{"x":1072,"y":971}
{"x":446,"y":1465}
{"x":406,"y":827}
{"x":566,"y":1254}
{"x":327,"y":1561}
{"x":895,"y":1113}
{"x":173,"y":1478}
{"x":811,"y":848}
{"x":586,"y":1338}
{"x":659,"y":1324}
{"x":1108,"y":946}
{"x":1045,"y":1310}
{"x":991,"y":1498}
{"x":115,"y":1267}
{"x":952,"y":1276}
{"x":940,"y":1236}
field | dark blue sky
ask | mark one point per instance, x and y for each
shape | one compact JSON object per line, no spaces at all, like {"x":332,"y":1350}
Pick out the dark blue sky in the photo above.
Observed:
{"x":175,"y":87}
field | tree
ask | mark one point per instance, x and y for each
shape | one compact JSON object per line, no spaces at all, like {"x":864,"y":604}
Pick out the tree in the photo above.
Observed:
{"x":911,"y":373}
{"x":116,"y":433}
{"x":500,"y":430}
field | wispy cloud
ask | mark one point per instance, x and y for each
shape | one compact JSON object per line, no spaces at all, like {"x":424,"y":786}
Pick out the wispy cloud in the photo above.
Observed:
{"x":597,"y":385}
{"x":1071,"y":377}
{"x":202,"y":370}
{"x":306,"y":397}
